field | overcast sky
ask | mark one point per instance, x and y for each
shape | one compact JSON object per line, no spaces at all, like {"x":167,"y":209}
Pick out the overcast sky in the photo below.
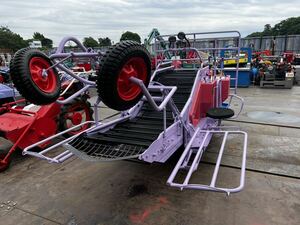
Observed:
{"x":101,"y":18}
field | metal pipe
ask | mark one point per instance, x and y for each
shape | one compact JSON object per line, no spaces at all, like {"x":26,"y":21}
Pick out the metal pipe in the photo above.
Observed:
{"x":75,"y":55}
{"x":155,"y":98}
{"x":160,"y":70}
{"x":165,"y":122}
{"x":25,"y":151}
{"x":217,"y":167}
{"x":76,"y":94}
{"x":103,"y":126}
{"x":198,"y":155}
{"x":56,"y":63}
{"x":62,"y":159}
{"x":237,"y":65}
{"x":85,"y":81}
{"x":148,"y":95}
{"x":242,"y":104}
{"x":63,"y":42}
{"x":182,"y":157}
{"x":68,"y":87}
{"x":205,"y":33}
{"x":206,"y":187}
{"x":61,"y":155}
{"x":96,"y":110}
{"x":185,"y":49}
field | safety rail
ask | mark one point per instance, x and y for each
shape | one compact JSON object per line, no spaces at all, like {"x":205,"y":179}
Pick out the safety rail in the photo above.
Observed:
{"x":212,"y":37}
{"x":241,"y":106}
{"x":190,"y":149}
{"x":67,"y":154}
{"x":62,"y":156}
{"x":167,"y":92}
{"x":151,"y":87}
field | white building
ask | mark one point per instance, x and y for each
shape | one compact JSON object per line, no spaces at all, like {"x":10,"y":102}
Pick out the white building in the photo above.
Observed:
{"x":35,"y":44}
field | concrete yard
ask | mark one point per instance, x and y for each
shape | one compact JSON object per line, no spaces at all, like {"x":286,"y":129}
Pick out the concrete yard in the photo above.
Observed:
{"x":116,"y":193}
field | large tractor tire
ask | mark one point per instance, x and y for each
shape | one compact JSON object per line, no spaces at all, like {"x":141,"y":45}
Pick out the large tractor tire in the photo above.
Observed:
{"x":120,"y":62}
{"x":74,"y":113}
{"x":28,"y":73}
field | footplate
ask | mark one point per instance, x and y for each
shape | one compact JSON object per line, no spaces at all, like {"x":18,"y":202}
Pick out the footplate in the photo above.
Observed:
{"x":191,"y":163}
{"x":61,"y":157}
{"x":104,"y":151}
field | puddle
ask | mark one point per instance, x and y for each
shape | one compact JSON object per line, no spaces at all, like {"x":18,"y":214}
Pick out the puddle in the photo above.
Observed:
{"x":274,"y":117}
{"x":138,"y":189}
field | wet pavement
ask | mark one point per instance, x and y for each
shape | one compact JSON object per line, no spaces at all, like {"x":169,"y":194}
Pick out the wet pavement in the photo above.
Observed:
{"x":33,"y":191}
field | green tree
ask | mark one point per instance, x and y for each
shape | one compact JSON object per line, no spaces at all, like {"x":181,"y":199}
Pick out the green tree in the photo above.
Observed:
{"x":255,"y":34}
{"x":46,"y":42}
{"x":11,"y":40}
{"x":103,"y":42}
{"x":285,"y":27}
{"x":128,"y":35}
{"x":90,"y":42}
{"x":288,"y":26}
{"x":38,"y":36}
{"x":268,"y":30}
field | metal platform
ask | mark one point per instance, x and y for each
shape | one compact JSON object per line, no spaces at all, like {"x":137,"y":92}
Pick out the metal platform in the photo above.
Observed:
{"x":132,"y":137}
{"x":288,"y":83}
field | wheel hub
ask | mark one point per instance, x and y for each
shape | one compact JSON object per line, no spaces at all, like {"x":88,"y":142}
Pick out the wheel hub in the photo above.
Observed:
{"x":76,"y":118}
{"x":135,"y":67}
{"x":42,"y":75}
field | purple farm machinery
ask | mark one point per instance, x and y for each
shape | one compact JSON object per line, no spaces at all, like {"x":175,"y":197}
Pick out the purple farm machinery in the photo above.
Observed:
{"x":179,"y":105}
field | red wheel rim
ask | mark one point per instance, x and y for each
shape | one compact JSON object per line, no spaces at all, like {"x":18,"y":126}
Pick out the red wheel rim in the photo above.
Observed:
{"x":134,"y":67}
{"x":45,"y":82}
{"x":78,"y":113}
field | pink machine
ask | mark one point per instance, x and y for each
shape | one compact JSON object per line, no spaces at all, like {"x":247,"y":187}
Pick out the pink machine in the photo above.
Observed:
{"x":180,"y":105}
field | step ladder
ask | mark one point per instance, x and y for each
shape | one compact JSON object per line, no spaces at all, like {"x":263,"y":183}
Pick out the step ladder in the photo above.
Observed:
{"x":192,"y":154}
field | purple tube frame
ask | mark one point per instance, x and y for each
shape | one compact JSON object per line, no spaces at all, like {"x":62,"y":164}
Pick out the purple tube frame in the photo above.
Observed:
{"x":181,"y":132}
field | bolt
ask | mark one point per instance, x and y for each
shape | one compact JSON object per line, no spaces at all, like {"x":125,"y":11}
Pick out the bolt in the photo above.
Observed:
{"x":8,"y":208}
{"x":1,"y":206}
{"x":8,"y":202}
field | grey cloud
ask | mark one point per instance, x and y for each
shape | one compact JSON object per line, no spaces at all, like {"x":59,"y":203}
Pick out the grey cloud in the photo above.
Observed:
{"x":98,"y":18}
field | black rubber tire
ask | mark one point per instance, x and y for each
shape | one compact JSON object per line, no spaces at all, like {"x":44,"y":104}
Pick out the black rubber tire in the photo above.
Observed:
{"x":5,"y":146}
{"x":21,"y":77}
{"x":110,"y":66}
{"x":64,"y":110}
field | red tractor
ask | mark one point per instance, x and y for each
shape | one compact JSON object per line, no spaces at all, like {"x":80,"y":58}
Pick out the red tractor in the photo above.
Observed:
{"x":23,"y":124}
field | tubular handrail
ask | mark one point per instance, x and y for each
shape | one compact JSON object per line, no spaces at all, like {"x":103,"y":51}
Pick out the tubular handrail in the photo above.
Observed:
{"x":41,"y":155}
{"x":150,"y":98}
{"x":242,"y":104}
{"x":196,"y":160}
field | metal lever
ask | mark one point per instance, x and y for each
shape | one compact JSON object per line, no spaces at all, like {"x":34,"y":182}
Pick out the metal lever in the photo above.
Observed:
{"x":150,"y":98}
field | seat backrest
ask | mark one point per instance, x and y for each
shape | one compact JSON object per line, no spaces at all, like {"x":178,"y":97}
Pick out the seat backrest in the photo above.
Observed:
{"x":203,"y":100}
{"x":225,"y":82}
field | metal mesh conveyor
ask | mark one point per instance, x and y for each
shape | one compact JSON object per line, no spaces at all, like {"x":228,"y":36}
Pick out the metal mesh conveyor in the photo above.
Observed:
{"x":131,"y":138}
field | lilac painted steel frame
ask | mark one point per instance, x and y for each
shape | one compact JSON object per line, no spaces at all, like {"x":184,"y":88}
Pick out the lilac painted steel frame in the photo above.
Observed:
{"x":181,"y":132}
{"x":194,"y":37}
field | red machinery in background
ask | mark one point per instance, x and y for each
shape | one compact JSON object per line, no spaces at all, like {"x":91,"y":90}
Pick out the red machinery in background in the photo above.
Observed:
{"x":23,"y":124}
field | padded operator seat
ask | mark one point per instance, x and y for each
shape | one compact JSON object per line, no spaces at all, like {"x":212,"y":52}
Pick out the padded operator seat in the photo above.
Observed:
{"x":220,"y":113}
